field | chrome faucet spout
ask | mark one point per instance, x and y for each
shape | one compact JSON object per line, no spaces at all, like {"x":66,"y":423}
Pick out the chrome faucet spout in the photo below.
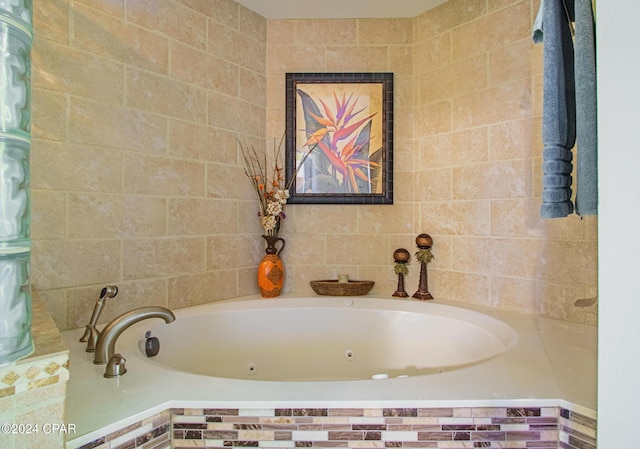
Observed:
{"x":106,"y":344}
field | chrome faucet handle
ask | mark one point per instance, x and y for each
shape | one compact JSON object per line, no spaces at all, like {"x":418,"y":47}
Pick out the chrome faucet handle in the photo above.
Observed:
{"x":115,"y":366}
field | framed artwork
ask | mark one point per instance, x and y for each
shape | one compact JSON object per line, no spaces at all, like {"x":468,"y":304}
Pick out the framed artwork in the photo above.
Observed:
{"x":339,"y":138}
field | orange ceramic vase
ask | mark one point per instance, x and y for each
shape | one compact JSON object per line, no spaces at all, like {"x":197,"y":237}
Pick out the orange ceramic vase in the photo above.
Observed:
{"x":271,"y":269}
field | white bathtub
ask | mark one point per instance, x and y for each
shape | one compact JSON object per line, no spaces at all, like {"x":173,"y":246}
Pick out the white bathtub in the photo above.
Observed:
{"x":325,"y":339}
{"x":338,"y":352}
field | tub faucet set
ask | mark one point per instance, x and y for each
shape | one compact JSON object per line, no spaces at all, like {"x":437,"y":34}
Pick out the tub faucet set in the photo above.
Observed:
{"x":103,"y":344}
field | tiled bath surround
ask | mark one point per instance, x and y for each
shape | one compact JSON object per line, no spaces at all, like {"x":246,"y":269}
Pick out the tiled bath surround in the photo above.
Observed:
{"x":137,"y":179}
{"x":450,"y":428}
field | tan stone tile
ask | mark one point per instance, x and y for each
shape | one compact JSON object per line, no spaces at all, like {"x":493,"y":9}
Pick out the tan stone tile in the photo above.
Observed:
{"x":493,"y":105}
{"x":202,"y":288}
{"x":105,"y":216}
{"x":570,"y":261}
{"x":288,"y":58}
{"x":252,"y":87}
{"x":432,"y":53}
{"x":348,"y":58}
{"x":492,"y":30}
{"x":51,"y":20}
{"x":252,"y":24}
{"x":222,"y":11}
{"x":432,"y":185}
{"x":113,"y":38}
{"x":453,"y":80}
{"x":48,"y":112}
{"x":515,"y":294}
{"x":83,"y":168}
{"x":228,"y":43}
{"x":163,"y":257}
{"x":509,"y":179}
{"x":557,"y":300}
{"x":456,"y":217}
{"x":432,"y":118}
{"x":201,"y":142}
{"x":356,"y":249}
{"x":395,"y":31}
{"x":325,"y":32}
{"x":516,"y":139}
{"x":131,"y":294}
{"x":90,"y":76}
{"x":449,"y":15}
{"x":470,"y":288}
{"x":229,"y":183}
{"x":112,"y":7}
{"x":304,"y":249}
{"x":117,"y":127}
{"x":198,"y":67}
{"x":47,"y":214}
{"x":57,"y":264}
{"x":506,"y":257}
{"x":323,"y":218}
{"x":166,"y":96}
{"x":235,"y":114}
{"x":521,"y":59}
{"x":171,"y":19}
{"x":466,"y":147}
{"x":401,"y":60}
{"x":225,"y":252}
{"x":280,"y":32}
{"x":162,"y":176}
{"x":388,"y":219}
{"x":499,"y":4}
{"x":202,"y":216}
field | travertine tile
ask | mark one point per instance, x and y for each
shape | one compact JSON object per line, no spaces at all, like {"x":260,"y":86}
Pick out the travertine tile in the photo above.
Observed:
{"x":47,"y":214}
{"x":156,"y":175}
{"x":453,"y":80}
{"x":479,"y":108}
{"x":188,"y":216}
{"x":170,"y":18}
{"x":456,"y":217}
{"x":349,"y":58}
{"x":198,"y":67}
{"x":466,"y":147}
{"x":491,"y":31}
{"x":202,"y":142}
{"x":92,"y":124}
{"x":166,"y":96}
{"x":113,"y":38}
{"x":396,"y":31}
{"x":108,"y":216}
{"x":508,"y":179}
{"x":201,"y":288}
{"x":325,"y":32}
{"x":48,"y":111}
{"x":58,"y":166}
{"x":145,"y":258}
{"x":67,"y":263}
{"x":449,"y":16}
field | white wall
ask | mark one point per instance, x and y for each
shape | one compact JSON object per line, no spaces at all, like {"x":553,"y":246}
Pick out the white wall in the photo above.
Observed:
{"x":619,"y":220}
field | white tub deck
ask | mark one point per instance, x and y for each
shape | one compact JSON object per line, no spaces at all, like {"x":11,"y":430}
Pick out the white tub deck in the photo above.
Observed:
{"x":553,"y":363}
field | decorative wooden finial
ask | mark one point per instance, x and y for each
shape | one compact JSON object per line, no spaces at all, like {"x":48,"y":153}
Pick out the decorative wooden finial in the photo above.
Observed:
{"x":424,"y":256}
{"x":401,"y":257}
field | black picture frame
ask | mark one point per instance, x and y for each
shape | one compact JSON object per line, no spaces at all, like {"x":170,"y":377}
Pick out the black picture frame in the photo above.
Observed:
{"x":345,"y":122}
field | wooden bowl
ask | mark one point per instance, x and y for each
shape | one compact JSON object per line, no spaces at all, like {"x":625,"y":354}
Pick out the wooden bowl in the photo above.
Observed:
{"x":335,"y":288}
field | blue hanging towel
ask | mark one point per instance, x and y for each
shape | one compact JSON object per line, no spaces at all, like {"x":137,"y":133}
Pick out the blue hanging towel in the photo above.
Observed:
{"x":586,"y":110}
{"x":569,"y":106}
{"x":559,"y":108}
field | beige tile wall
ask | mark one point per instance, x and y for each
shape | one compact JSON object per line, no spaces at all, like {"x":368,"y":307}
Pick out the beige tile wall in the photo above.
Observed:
{"x":135,"y":173}
{"x":136,"y":177}
{"x":467,"y":153}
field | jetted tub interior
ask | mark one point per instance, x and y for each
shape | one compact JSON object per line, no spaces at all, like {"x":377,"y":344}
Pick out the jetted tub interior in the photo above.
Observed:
{"x":323,"y":339}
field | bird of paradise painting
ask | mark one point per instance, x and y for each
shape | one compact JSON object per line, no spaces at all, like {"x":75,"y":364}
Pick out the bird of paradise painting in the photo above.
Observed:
{"x":347,"y":125}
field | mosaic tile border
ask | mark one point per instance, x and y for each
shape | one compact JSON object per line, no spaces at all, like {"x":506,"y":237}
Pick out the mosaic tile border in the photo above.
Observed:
{"x":150,"y":433}
{"x":20,"y":377}
{"x":359,"y":428}
{"x":577,"y":431}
